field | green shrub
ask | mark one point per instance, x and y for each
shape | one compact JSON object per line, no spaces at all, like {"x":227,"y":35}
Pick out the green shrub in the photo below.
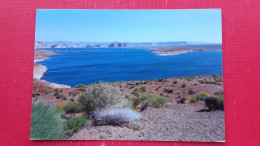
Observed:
{"x":73,"y":107}
{"x":141,"y":98}
{"x":152,"y":92}
{"x":82,"y":89}
{"x":74,"y":124}
{"x":183,"y":85}
{"x":100,"y":96}
{"x":219,"y":93}
{"x":81,"y":86}
{"x":59,"y":106}
{"x":192,"y":91}
{"x":158,"y":101}
{"x":214,"y":103}
{"x":162,"y":94}
{"x":142,"y":89}
{"x":168,"y":90}
{"x":46,"y":124}
{"x":47,"y":92}
{"x":193,"y":100}
{"x":202,"y":96}
{"x":181,"y":101}
{"x":158,"y":87}
{"x":61,"y":96}
{"x":175,"y":82}
{"x":135,"y":92}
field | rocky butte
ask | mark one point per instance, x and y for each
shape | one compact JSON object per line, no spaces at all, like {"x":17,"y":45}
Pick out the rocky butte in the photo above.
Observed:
{"x":116,"y":45}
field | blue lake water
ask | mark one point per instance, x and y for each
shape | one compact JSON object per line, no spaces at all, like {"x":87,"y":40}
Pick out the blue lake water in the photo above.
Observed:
{"x":77,"y":66}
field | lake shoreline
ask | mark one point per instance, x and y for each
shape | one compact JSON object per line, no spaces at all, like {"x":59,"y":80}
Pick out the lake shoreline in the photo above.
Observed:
{"x":39,"y":70}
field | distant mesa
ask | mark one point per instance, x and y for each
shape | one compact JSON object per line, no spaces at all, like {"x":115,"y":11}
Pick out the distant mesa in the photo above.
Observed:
{"x":60,"y":46}
{"x":116,"y":45}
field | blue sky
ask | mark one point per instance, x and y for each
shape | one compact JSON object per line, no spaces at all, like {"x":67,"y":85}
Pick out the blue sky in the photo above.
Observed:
{"x":129,"y":25}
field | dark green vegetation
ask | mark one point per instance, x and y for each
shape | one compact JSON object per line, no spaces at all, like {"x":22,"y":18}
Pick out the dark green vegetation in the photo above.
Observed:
{"x":214,"y":103}
{"x":73,"y":107}
{"x":45,"y":123}
{"x":193,"y":100}
{"x":74,"y":124}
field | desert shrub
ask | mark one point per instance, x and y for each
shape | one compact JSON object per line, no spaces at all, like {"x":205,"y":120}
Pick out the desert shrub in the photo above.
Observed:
{"x":115,"y":116}
{"x":219,"y":93}
{"x":214,"y":103}
{"x":81,"y":86}
{"x":47,"y":92}
{"x":168,"y":90}
{"x":135,"y":92}
{"x":73,"y":107}
{"x":72,"y":99}
{"x":152,"y":92}
{"x":158,"y":101}
{"x":72,"y":94}
{"x":82,"y":89}
{"x":100,"y":96}
{"x":158,"y":87}
{"x":59,"y":106}
{"x":181,"y":100}
{"x":162,"y":94}
{"x":61,"y":96}
{"x":175,"y":82}
{"x":142,"y":89}
{"x":191,"y":91}
{"x":202,"y":96}
{"x":193,"y":100}
{"x":178,"y":92}
{"x":74,"y":124}
{"x":183,"y":85}
{"x":46,"y":124}
{"x":139,"y":99}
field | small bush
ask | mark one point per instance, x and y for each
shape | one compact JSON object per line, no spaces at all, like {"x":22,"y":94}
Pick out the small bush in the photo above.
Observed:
{"x":47,"y":92}
{"x":141,"y":98}
{"x":175,"y":82}
{"x":152,"y":92}
{"x":219,"y":93}
{"x":59,"y":106}
{"x":168,"y":90}
{"x":214,"y":103}
{"x":74,"y":124}
{"x":82,"y":89}
{"x":158,"y":102}
{"x":142,"y":89}
{"x":115,"y":116}
{"x":158,"y":87}
{"x":61,"y":96}
{"x":100,"y":96}
{"x":181,"y":101}
{"x":162,"y":94}
{"x":192,"y":91}
{"x":202,"y":96}
{"x":135,"y":92}
{"x":193,"y":100}
{"x":73,"y":107}
{"x":183,"y":85}
{"x":46,"y":124}
{"x":81,"y":86}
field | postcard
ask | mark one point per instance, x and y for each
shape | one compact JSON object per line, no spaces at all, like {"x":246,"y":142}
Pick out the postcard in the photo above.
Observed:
{"x":142,"y":75}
